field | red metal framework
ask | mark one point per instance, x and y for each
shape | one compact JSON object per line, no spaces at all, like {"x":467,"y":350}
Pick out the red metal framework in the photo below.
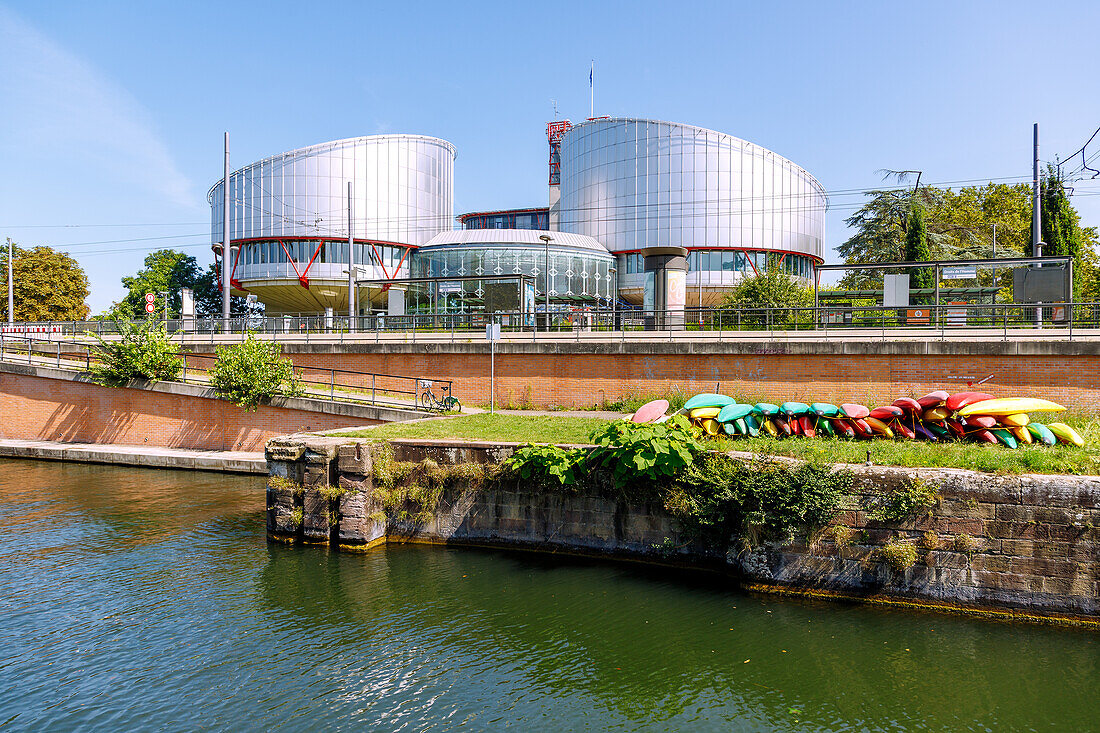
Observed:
{"x":303,"y":274}
{"x":554,"y":132}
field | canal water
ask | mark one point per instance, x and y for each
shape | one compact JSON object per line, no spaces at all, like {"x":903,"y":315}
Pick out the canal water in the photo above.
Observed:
{"x":149,"y":600}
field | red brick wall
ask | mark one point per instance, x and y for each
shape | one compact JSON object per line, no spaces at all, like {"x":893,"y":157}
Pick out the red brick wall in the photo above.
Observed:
{"x":585,"y":379}
{"x":36,"y":408}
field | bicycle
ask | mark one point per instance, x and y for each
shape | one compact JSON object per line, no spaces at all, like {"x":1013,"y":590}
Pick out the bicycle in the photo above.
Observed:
{"x":444,"y":403}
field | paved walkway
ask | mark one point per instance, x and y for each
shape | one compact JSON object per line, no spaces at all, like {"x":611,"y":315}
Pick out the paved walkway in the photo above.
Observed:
{"x":602,"y":414}
{"x":146,"y":456}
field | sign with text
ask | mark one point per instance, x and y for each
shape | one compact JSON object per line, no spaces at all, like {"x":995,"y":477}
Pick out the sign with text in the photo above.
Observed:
{"x":149,"y":297}
{"x":962,"y":272}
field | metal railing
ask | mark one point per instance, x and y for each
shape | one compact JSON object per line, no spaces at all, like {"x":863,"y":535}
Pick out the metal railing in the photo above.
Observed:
{"x":1008,"y":319}
{"x":333,"y":385}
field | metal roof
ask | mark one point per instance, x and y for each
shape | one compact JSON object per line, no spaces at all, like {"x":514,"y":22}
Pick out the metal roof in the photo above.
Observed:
{"x":515,"y":237}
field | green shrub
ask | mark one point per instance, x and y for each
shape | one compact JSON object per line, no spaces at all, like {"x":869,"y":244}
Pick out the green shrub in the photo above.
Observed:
{"x":964,"y":543}
{"x":251,"y":372}
{"x":546,"y":464}
{"x":841,"y":535}
{"x":644,"y":453}
{"x":296,"y":517}
{"x":142,"y":350}
{"x":929,"y":541}
{"x":915,"y":497}
{"x":899,"y":555}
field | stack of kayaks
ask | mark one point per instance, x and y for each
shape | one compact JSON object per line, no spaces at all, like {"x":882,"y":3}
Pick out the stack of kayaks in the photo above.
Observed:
{"x":938,"y":416}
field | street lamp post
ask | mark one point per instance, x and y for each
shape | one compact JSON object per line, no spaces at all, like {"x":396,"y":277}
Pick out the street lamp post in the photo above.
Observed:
{"x":612,"y":271}
{"x":546,"y":239}
{"x":11,"y":282}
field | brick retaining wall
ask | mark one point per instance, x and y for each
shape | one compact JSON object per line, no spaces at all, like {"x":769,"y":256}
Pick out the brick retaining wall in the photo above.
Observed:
{"x":581,"y":375}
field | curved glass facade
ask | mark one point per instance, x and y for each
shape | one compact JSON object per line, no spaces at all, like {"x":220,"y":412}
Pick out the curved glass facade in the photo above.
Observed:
{"x":403,"y":191}
{"x":573,"y":271}
{"x":320,"y":259}
{"x":634,"y":183}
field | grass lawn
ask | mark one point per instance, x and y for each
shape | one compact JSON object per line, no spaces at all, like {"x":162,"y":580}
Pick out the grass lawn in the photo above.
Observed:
{"x":975,"y":456}
{"x":483,"y":426}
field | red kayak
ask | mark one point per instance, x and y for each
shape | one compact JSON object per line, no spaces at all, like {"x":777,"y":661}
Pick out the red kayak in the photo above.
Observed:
{"x":862,"y":429}
{"x":844,"y":427}
{"x":854,"y":411}
{"x":902,"y":429}
{"x":960,"y":400}
{"x":908,"y":404}
{"x":781,"y":424}
{"x":887,"y":413}
{"x":984,"y":436}
{"x":807,"y":427}
{"x":980,"y":421}
{"x":932,"y":399}
{"x":956,"y":427}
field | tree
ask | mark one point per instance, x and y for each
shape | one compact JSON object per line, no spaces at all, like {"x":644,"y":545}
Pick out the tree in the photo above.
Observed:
{"x":916,"y":249}
{"x":167,"y":270}
{"x":47,"y":285}
{"x":142,"y":350}
{"x":772,"y":289}
{"x":251,"y":372}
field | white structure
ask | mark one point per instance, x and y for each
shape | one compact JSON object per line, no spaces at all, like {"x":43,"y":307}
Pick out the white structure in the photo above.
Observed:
{"x":633,"y":183}
{"x":289,"y":216}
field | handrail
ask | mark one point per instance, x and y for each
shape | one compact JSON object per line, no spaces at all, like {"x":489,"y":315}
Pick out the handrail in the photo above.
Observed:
{"x":374,"y":388}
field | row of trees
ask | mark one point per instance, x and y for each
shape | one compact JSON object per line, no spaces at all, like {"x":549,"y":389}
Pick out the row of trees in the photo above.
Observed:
{"x":929,"y":223}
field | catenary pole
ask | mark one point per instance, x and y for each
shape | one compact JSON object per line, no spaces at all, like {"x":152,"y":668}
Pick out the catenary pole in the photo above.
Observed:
{"x":226,"y":248}
{"x":11,"y":283}
{"x":1036,"y":234}
{"x":351,"y":262}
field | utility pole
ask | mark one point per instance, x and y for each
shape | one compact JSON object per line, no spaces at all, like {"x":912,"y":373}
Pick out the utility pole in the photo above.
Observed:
{"x":351,"y":263}
{"x":1036,"y":233}
{"x":11,"y":283}
{"x":226,"y":253}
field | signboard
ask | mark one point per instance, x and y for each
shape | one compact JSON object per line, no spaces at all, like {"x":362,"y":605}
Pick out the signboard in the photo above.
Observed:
{"x":677,"y":289}
{"x":149,"y":307}
{"x":492,"y":331}
{"x":895,"y":291}
{"x":917,"y":315}
{"x":1040,"y":285}
{"x":501,"y":297}
{"x":149,"y":297}
{"x":955,"y":316}
{"x":965,"y":272}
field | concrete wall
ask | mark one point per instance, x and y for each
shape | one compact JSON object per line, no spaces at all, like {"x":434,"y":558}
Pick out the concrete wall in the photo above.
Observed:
{"x":52,"y":404}
{"x":1036,"y":538}
{"x":583,"y":374}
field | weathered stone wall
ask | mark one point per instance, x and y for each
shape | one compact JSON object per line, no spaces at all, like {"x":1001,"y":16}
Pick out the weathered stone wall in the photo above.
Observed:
{"x":1016,"y":542}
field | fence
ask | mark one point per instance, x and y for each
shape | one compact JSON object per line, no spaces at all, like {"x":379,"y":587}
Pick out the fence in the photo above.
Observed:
{"x":1004,"y":317}
{"x":334,"y":385}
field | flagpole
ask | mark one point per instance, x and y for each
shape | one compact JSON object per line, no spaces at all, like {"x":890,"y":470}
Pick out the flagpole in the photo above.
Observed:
{"x":591,"y":90}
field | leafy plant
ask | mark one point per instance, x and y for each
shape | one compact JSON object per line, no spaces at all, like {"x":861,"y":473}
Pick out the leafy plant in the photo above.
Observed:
{"x":253,"y":371}
{"x":964,"y":543}
{"x":296,"y":517}
{"x":645,"y":453}
{"x":842,"y":535}
{"x":141,"y":351}
{"x":546,"y":463}
{"x":280,"y":483}
{"x":903,"y":503}
{"x":929,"y":541}
{"x":899,"y":555}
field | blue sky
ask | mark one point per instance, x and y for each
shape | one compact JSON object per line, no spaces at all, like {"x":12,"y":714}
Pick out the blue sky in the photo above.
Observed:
{"x":113,"y":113}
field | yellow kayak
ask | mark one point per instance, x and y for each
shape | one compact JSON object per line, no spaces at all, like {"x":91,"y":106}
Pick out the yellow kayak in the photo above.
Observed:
{"x":879,"y":427}
{"x":1010,"y":406}
{"x":1065,"y":434}
{"x":704,"y":413}
{"x":1022,"y":434}
{"x":769,"y":427}
{"x":712,"y":426}
{"x":1015,"y":421}
{"x":936,"y":414}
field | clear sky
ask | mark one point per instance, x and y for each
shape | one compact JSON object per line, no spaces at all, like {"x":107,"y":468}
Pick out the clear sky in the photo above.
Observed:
{"x":112,"y":113}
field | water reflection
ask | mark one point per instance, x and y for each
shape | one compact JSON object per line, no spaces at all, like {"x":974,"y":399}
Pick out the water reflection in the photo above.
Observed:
{"x":150,"y":599}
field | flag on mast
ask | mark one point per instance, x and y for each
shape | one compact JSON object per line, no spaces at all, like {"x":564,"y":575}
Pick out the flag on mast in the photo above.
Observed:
{"x":591,"y":90}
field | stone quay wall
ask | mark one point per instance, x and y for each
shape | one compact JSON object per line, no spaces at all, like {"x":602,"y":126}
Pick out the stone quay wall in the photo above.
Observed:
{"x":585,"y":373}
{"x":1017,"y":545}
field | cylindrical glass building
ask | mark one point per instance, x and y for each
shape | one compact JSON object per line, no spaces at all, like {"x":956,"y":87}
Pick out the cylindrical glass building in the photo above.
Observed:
{"x":633,"y":183}
{"x":289,"y":216}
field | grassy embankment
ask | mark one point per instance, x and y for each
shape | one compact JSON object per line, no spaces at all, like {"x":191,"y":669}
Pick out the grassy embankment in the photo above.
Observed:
{"x":979,"y":457}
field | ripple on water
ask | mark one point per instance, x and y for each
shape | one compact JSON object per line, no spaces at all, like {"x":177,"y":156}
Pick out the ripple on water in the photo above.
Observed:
{"x":150,"y":599}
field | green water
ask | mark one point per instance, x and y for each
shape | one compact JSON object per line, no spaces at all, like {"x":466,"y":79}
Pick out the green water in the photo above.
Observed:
{"x":150,"y":600}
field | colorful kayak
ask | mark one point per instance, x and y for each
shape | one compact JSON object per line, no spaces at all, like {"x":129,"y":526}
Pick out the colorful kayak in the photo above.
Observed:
{"x":752,"y":425}
{"x":1015,"y":421}
{"x":908,"y":404}
{"x":825,"y":425}
{"x":1022,"y":435}
{"x":650,"y":411}
{"x":933,"y":399}
{"x":766,"y":409}
{"x":960,"y":400}
{"x":824,"y":409}
{"x":806,"y":426}
{"x":769,"y":427}
{"x":1010,"y":406}
{"x":704,"y":413}
{"x":730,"y":428}
{"x":782,"y":425}
{"x":1066,"y":434}
{"x":855,"y":411}
{"x":887,"y":412}
{"x":733,"y":412}
{"x":790,"y":409}
{"x":1004,"y":436}
{"x":981,"y":421}
{"x":712,"y":426}
{"x":861,"y":427}
{"x":879,"y":427}
{"x":1041,"y":433}
{"x":708,"y":399}
{"x":935,"y":414}
{"x":844,"y":428}
{"x":983,"y":436}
